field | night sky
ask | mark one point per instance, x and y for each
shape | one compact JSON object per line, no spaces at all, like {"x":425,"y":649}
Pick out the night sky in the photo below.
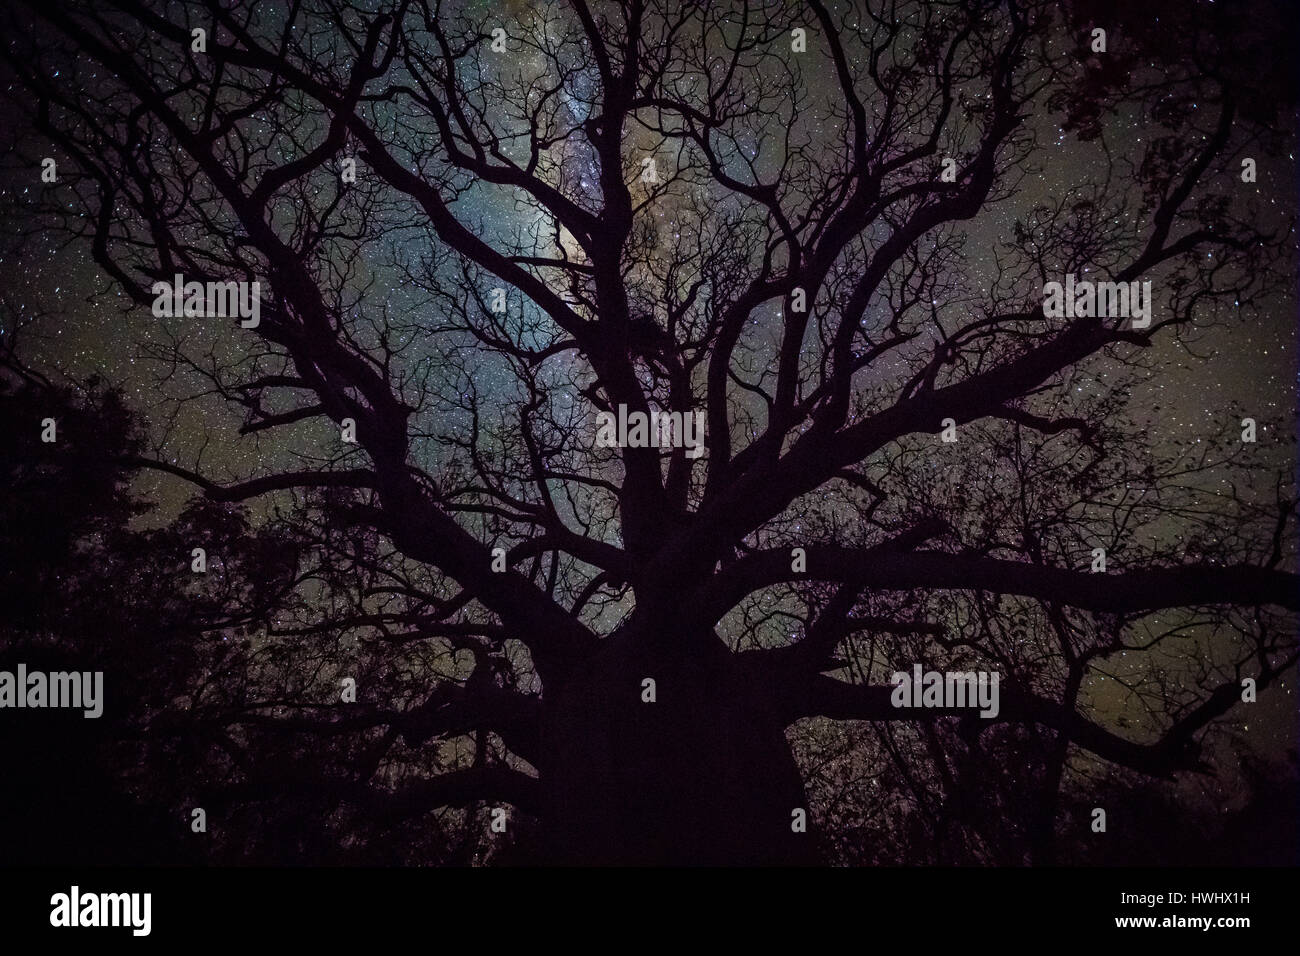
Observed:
{"x":1195,"y":388}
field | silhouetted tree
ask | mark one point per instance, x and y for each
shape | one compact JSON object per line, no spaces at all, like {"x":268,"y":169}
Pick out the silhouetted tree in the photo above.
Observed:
{"x":684,"y":211}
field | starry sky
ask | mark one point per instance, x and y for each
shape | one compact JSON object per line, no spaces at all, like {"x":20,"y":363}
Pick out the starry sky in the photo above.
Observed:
{"x":1195,"y":387}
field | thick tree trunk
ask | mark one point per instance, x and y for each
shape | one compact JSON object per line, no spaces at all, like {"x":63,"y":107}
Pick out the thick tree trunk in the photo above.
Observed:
{"x":702,"y":775}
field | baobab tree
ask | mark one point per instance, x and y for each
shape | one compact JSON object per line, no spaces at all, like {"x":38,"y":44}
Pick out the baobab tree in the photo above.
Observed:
{"x":824,"y":231}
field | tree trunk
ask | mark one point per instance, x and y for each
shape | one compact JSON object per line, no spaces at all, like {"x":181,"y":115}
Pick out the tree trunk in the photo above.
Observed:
{"x":701,"y":775}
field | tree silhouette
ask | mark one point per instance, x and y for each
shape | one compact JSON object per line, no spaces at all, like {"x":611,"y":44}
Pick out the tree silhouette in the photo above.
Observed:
{"x":476,"y":227}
